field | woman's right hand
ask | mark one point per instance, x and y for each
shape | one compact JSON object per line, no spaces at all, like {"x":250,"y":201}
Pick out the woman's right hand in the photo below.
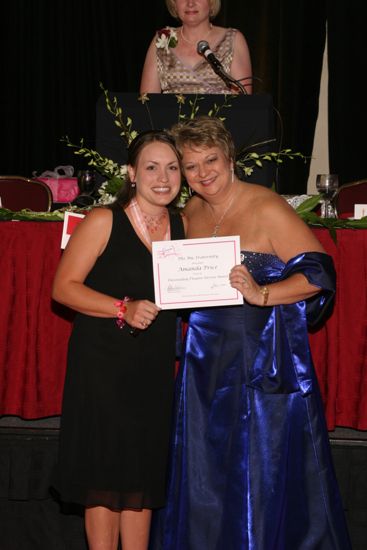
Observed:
{"x":140,"y":313}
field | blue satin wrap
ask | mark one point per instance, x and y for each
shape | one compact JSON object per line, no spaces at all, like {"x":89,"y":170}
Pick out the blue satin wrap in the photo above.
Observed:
{"x":250,"y":461}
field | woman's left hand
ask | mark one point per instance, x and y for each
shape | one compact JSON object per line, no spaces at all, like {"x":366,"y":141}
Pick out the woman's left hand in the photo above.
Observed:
{"x":241,"y":279}
{"x":140,"y":313}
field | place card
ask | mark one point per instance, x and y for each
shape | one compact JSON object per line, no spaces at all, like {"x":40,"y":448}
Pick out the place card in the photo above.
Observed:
{"x":360,"y":211}
{"x":71,"y":220}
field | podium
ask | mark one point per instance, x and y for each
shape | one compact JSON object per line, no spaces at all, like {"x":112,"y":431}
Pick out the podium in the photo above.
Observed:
{"x":249,"y":118}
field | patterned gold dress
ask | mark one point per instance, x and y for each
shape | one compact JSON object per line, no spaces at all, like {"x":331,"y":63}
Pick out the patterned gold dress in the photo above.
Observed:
{"x":178,"y":78}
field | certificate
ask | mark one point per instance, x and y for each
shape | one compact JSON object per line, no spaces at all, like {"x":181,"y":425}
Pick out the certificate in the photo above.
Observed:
{"x":193,"y":273}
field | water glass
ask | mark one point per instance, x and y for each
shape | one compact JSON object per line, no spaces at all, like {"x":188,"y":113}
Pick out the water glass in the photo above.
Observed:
{"x":327,"y":185}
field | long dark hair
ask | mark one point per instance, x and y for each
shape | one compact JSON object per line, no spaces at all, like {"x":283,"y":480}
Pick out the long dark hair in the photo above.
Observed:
{"x":128,"y":191}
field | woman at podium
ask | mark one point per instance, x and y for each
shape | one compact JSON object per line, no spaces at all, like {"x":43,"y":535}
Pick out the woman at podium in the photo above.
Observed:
{"x":174,"y":65}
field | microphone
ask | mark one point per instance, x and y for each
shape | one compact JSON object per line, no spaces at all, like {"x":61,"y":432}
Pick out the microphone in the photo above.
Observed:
{"x":203,"y":48}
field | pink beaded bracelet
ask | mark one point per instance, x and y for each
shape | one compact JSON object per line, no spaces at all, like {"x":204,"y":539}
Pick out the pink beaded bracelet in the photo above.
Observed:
{"x":121,"y":305}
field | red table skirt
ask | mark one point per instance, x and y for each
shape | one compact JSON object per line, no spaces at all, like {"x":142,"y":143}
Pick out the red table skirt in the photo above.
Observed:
{"x":34,"y":330}
{"x":339,"y":348}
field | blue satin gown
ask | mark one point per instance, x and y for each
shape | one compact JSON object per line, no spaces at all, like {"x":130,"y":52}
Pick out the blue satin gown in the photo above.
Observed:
{"x":250,"y":461}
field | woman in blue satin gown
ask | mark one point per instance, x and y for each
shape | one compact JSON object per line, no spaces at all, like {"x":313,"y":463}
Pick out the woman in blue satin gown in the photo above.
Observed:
{"x":251,"y":467}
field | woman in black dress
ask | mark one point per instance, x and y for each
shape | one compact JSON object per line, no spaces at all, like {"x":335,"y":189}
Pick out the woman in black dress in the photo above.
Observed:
{"x":119,"y":382}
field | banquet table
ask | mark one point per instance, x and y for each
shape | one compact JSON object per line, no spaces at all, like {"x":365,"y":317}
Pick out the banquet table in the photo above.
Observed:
{"x":34,"y":330}
{"x":339,"y":346}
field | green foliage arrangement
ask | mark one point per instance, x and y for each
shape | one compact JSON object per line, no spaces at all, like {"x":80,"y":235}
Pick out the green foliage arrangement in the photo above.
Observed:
{"x":115,"y":174}
{"x":247,"y":158}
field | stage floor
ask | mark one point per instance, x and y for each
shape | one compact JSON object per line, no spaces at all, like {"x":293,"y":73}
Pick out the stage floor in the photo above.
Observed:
{"x":33,"y":520}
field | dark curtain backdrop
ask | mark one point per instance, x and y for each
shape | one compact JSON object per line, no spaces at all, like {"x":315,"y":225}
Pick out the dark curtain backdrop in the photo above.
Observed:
{"x":55,"y":53}
{"x":347,"y":92}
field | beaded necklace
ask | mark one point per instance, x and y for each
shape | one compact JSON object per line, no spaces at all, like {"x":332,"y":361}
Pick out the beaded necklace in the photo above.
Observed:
{"x":142,"y":221}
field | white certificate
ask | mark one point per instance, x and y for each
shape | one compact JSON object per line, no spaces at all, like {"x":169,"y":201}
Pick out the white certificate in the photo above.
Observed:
{"x":192,"y":273}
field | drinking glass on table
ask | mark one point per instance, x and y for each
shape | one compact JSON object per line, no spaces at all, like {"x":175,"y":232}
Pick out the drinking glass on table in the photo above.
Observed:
{"x":86,"y":181}
{"x":327,"y":185}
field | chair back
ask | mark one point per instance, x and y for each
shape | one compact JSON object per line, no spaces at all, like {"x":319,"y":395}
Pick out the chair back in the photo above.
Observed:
{"x":17,"y":192}
{"x":350,"y":194}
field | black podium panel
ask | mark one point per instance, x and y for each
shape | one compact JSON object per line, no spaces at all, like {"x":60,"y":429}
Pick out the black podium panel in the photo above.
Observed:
{"x":250,"y":119}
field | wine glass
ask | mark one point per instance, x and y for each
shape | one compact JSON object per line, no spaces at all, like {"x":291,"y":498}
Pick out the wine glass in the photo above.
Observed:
{"x":86,"y":181}
{"x":327,"y":185}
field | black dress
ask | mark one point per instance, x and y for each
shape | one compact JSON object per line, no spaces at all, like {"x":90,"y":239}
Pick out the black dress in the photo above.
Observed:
{"x":118,"y":389}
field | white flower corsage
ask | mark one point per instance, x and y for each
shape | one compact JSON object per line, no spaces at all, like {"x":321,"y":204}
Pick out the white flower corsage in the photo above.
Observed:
{"x":166,"y":38}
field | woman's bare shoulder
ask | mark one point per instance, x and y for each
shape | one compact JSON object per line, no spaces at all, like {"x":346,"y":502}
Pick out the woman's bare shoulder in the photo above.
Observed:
{"x":287,"y":232}
{"x":258,"y":193}
{"x":97,"y":222}
{"x":99,"y":215}
{"x":265,"y":202}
